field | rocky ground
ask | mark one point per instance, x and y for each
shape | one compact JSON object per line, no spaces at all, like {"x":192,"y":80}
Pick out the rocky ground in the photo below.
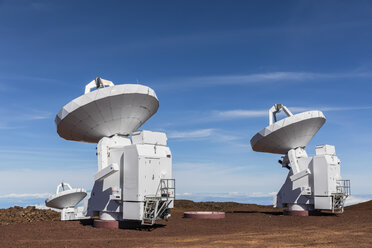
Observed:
{"x":26,"y":215}
{"x":245,"y":225}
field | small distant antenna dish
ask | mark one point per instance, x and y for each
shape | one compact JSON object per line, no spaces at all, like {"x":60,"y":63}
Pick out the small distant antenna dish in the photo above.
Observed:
{"x":65,"y":197}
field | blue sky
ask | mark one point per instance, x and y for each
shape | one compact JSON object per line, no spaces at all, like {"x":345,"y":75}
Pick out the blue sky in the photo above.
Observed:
{"x":216,"y":66}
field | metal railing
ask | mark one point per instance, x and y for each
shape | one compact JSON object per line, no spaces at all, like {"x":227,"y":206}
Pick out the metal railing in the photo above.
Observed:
{"x":343,"y":190}
{"x":167,"y":188}
{"x":343,"y":187}
{"x":155,"y":206}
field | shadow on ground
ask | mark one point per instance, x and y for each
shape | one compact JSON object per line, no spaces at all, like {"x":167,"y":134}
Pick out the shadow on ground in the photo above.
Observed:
{"x":133,"y":225}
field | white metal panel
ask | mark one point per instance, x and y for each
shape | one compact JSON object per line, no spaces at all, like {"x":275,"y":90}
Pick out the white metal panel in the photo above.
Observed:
{"x":320,"y":171}
{"x":323,"y":203}
{"x":144,"y":166}
{"x":131,"y":174}
{"x":133,"y":210}
{"x":149,"y":137}
{"x":334,"y":173}
{"x":115,"y":157}
{"x":325,"y":150}
{"x":149,"y":169}
{"x":326,"y":173}
{"x":102,"y":190}
{"x":107,"y":171}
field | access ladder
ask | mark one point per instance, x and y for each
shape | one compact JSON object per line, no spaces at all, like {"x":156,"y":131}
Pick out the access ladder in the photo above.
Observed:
{"x":156,"y":206}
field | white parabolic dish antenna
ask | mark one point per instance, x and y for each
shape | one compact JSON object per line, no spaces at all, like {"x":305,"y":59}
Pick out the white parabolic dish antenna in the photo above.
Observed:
{"x":117,"y":109}
{"x":289,"y":133}
{"x":66,"y":198}
{"x":312,"y":183}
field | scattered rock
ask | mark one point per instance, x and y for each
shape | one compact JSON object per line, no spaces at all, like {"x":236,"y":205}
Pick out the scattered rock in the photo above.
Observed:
{"x":18,"y":214}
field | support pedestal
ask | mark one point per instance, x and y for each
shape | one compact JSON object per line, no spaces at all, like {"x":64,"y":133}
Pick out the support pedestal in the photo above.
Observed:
{"x":110,"y":224}
{"x":296,"y":212}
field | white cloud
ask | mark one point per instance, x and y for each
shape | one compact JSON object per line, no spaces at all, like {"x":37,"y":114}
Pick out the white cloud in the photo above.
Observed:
{"x":184,"y":194}
{"x":24,"y":182}
{"x":262,"y":194}
{"x":211,"y":134}
{"x":241,"y":197}
{"x":199,"y":133}
{"x":253,"y":113}
{"x":256,"y":78}
{"x":344,"y":108}
{"x":27,"y":78}
{"x":16,"y":118}
{"x":25,"y":195}
{"x":43,"y":151}
{"x":259,"y":78}
{"x":351,"y":200}
{"x":40,"y":116}
{"x":240,"y":113}
{"x":4,"y":126}
{"x":215,"y":178}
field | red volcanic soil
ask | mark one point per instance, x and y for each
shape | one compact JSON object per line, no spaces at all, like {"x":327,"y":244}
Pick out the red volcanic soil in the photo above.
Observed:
{"x":245,"y":225}
{"x":26,"y":215}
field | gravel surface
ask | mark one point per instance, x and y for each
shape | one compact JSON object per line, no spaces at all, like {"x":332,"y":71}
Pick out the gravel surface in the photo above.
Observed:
{"x":245,"y":225}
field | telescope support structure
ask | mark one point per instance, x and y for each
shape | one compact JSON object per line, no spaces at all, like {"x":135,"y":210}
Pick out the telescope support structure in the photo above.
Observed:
{"x":134,"y":179}
{"x":132,"y":165}
{"x":313,"y":183}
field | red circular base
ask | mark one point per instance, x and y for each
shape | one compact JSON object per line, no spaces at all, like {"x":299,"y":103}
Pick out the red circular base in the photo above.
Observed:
{"x":110,"y":224}
{"x":296,"y":212}
{"x":204,"y":215}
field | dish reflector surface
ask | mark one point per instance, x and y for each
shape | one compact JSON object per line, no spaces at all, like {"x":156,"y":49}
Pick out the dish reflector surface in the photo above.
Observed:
{"x":66,"y":198}
{"x":288,"y":133}
{"x":120,"y":109}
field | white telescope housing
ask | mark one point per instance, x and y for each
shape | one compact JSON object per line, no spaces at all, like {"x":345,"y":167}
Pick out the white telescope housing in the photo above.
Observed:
{"x":134,"y":178}
{"x":313,"y":183}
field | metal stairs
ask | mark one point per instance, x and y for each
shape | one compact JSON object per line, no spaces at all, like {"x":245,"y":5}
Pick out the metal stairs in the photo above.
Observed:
{"x":343,"y":191}
{"x":156,"y":206}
